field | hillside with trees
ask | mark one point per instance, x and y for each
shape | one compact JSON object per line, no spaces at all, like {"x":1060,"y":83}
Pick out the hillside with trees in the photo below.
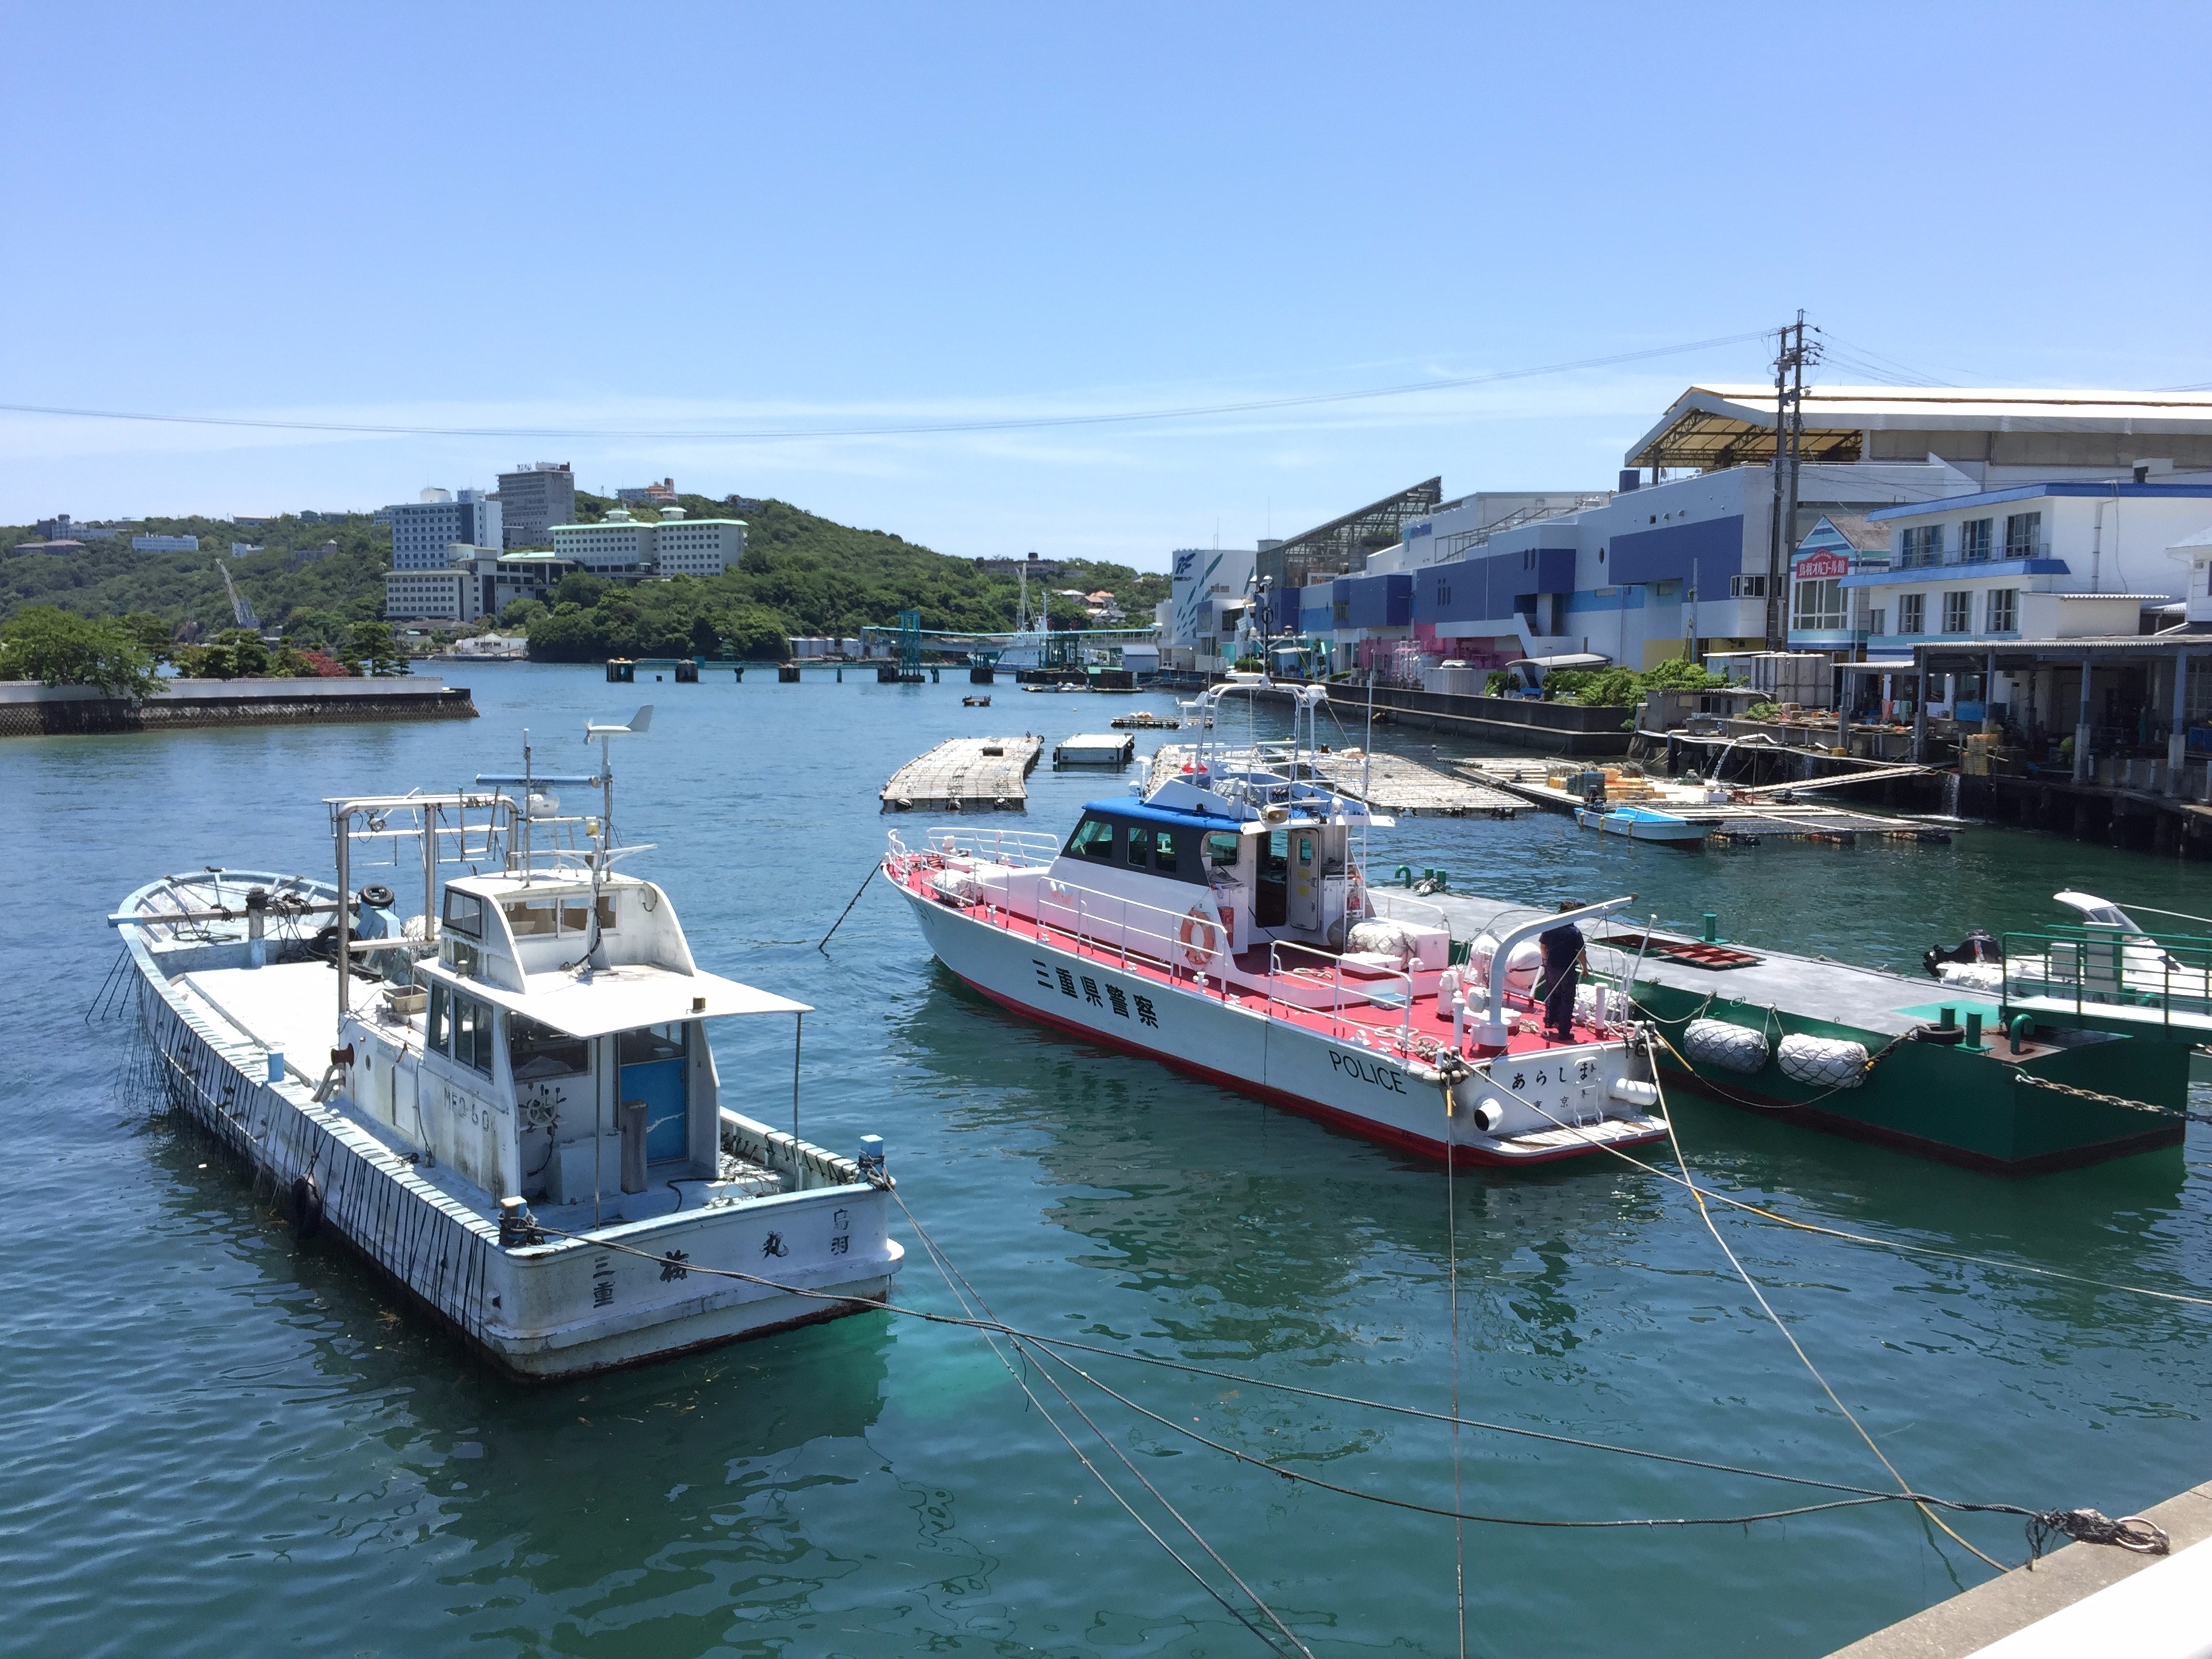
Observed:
{"x":314,"y":580}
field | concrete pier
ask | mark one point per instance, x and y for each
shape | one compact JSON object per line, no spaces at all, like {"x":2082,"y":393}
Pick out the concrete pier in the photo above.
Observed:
{"x":28,"y":710}
{"x":1389,"y":783}
{"x":2079,"y":1600}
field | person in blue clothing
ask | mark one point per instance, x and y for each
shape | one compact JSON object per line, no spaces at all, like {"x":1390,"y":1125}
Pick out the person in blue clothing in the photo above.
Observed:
{"x":1563,"y":963}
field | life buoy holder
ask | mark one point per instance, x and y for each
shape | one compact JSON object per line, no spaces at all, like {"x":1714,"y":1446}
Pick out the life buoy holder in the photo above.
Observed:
{"x":1199,"y":938}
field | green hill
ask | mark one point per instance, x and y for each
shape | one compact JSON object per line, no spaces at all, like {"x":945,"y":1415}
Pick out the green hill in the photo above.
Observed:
{"x":801,"y":574}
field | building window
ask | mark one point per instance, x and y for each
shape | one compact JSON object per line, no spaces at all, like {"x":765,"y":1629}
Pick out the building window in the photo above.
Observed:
{"x":1957,"y":613}
{"x":1746,"y":587}
{"x":1820,"y":605}
{"x":1878,"y":620}
{"x":1923,"y":544}
{"x":2004,"y":611}
{"x":2023,"y":532}
{"x":1910,"y":613}
{"x":1974,"y":540}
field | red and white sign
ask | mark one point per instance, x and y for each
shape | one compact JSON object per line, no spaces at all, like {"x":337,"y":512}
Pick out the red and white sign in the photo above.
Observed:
{"x":1818,"y":567}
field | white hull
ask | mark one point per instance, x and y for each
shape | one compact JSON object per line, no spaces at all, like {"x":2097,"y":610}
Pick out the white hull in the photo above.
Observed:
{"x":562,"y":1308}
{"x":1339,"y":1079}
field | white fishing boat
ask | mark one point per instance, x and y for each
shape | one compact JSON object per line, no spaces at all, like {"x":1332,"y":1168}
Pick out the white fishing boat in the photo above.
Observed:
{"x":1641,"y":823}
{"x":508,"y":1103}
{"x":1221,"y":923}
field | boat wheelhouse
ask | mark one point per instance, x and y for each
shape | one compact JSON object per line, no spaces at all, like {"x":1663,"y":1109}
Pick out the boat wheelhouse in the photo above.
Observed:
{"x":508,"y":1102}
{"x":1221,"y":923}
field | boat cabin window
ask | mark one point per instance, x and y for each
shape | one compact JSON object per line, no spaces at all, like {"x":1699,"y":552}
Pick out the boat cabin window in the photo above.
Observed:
{"x":464,"y":914}
{"x":653,"y":1042}
{"x":1093,"y":839}
{"x":576,"y":913}
{"x":461,"y":1026}
{"x":1164,"y":846}
{"x":535,"y":1052}
{"x":1138,"y":851}
{"x":1220,"y":849}
{"x":532,"y":918}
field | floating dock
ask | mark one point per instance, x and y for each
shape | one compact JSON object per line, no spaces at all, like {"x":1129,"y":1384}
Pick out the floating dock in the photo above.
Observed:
{"x":1389,"y":783}
{"x":1897,"y":1058}
{"x":1095,"y":749}
{"x":1746,"y":817}
{"x":964,"y":774}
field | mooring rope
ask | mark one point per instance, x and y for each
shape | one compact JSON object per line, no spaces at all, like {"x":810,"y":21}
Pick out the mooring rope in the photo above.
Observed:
{"x":2083,"y":1525}
{"x":1861,"y":1497}
{"x":950,"y":1273}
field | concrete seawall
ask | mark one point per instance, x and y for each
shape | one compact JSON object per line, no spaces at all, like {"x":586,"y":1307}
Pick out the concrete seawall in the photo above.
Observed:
{"x":1549,"y":728}
{"x":30,"y":710}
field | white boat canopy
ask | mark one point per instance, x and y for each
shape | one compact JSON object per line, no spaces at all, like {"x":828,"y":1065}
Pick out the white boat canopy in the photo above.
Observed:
{"x":625,"y":998}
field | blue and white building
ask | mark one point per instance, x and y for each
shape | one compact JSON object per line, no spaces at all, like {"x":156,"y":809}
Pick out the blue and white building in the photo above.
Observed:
{"x":2053,"y":560}
{"x":1676,"y":560}
{"x":423,"y":532}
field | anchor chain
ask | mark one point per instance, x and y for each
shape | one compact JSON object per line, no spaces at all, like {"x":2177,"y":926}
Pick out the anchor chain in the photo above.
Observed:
{"x":2114,"y":1100}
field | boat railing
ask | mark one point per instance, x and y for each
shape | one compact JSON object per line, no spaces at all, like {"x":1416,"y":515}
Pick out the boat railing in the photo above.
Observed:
{"x":2093,"y":968}
{"x":1402,"y":1001}
{"x":1188,"y":945}
{"x":1021,"y":849}
{"x":1387,"y":902}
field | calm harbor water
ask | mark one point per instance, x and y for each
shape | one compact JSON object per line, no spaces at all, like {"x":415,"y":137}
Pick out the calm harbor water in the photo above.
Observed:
{"x":219,"y":1441}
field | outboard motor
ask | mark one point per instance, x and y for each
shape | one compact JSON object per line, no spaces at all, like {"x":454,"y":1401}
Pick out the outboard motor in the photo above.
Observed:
{"x":1977,"y":946}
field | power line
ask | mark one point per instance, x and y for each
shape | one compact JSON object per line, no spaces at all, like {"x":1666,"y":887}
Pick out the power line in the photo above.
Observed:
{"x":769,"y":435}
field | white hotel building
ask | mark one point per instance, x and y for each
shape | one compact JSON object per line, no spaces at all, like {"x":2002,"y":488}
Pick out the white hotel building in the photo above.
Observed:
{"x":626,"y":548}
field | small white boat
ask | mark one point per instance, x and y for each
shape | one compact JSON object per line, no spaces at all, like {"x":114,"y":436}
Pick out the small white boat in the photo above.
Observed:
{"x":1221,"y":923}
{"x":1641,"y":823}
{"x":509,"y":1104}
{"x":1095,"y":749}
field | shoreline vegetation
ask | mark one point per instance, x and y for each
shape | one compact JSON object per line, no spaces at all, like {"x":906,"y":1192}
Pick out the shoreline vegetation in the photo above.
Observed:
{"x":108,"y":617}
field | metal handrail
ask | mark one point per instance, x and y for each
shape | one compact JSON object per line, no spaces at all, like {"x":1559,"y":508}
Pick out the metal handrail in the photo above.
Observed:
{"x":1275,"y":947}
{"x":1022,"y":848}
{"x":1076,"y":902}
{"x":2109,"y":968}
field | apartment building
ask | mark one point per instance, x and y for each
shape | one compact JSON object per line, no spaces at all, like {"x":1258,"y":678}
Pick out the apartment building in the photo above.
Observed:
{"x":533,"y":499}
{"x":422,"y":530}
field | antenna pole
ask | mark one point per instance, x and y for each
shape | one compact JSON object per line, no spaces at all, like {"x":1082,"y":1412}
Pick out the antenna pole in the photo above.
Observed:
{"x":528,"y":790}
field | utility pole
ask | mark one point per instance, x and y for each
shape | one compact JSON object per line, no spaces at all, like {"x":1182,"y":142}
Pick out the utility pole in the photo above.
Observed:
{"x":1791,"y":358}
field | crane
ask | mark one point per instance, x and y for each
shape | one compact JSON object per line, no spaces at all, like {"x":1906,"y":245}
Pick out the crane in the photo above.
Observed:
{"x":239,"y":607}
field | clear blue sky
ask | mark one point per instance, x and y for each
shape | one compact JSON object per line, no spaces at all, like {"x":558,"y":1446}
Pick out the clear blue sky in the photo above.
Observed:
{"x":751,"y":218}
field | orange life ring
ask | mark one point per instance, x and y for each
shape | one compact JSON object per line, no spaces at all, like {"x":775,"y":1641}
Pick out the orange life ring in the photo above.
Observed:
{"x":1198,"y":935}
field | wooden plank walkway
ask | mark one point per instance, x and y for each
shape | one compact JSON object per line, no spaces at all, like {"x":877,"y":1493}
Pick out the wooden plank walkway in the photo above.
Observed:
{"x":1404,"y":788}
{"x":1738,"y":820}
{"x":964,"y":774}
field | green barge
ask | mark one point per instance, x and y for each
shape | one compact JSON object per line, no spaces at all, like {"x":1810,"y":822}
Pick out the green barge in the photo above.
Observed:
{"x":2068,"y":1055}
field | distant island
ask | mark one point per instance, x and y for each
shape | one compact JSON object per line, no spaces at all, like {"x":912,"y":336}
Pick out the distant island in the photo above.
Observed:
{"x":315,"y":579}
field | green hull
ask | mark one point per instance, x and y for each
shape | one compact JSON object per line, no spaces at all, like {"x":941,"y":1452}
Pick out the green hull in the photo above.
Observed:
{"x":1951,"y":1102}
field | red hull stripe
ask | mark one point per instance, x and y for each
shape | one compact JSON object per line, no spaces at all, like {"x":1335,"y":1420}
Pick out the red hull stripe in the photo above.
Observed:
{"x":1365,"y":1127}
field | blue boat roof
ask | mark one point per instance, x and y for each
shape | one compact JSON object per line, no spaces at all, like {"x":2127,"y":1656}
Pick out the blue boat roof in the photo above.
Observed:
{"x":1130,"y":807}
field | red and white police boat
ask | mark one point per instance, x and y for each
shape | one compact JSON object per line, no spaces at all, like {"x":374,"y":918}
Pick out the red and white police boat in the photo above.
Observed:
{"x":1219,"y":923}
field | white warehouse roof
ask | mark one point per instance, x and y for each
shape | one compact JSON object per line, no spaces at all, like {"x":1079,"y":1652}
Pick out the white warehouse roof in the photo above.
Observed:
{"x":1728,"y":425}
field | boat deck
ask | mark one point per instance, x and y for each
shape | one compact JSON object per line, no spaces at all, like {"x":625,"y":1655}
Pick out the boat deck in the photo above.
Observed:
{"x":1373,"y":1008}
{"x":1870,"y":998}
{"x":291,"y":1008}
{"x":967,"y":774}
